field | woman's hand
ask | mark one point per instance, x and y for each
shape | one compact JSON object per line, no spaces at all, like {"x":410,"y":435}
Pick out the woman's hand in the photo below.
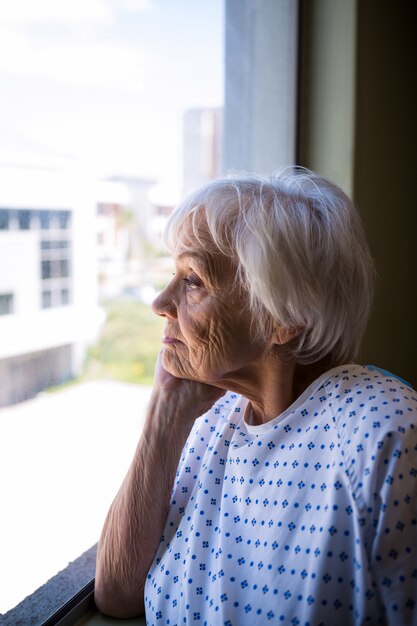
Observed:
{"x":187,"y":393}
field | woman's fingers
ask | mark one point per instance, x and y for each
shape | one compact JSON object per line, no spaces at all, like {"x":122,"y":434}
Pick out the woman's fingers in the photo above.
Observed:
{"x":191,"y":392}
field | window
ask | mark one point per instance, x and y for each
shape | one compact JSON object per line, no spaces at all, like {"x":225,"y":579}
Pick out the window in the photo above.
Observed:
{"x":97,"y":157}
{"x":55,"y":269}
{"x":45,"y":219}
{"x":4,"y":219}
{"x":46,"y":269}
{"x":55,"y":254}
{"x":64,"y":268}
{"x":65,"y":296}
{"x":46,"y":299}
{"x":55,"y":219}
{"x":63,"y":219}
{"x":53,"y":245}
{"x":6,"y":303}
{"x":24,"y":218}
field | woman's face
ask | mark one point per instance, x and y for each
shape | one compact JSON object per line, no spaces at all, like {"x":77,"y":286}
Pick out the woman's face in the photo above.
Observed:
{"x":207,"y":336}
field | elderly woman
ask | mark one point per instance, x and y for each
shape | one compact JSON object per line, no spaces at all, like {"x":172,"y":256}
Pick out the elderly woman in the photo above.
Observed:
{"x":275,"y":479}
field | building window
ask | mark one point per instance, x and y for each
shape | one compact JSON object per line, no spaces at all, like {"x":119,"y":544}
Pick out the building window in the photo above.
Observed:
{"x":46,"y":299}
{"x":45,"y":218}
{"x":6,"y":303}
{"x":46,"y":269}
{"x":64,"y":296}
{"x":4,"y":219}
{"x":55,"y":269}
{"x":54,"y":245}
{"x":64,"y":268}
{"x":55,"y":254}
{"x":24,"y":219}
{"x":63,"y":219}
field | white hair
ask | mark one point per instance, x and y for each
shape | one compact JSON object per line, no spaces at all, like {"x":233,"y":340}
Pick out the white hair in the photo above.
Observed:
{"x":300,"y":253}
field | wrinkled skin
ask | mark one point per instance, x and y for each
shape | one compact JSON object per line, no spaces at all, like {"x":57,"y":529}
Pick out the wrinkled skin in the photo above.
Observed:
{"x":211,"y":325}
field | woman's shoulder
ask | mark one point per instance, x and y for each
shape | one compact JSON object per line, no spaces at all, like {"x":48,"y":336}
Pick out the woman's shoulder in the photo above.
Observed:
{"x":368,"y":404}
{"x":357,"y":373}
{"x":367,"y":389}
{"x":375,"y":415}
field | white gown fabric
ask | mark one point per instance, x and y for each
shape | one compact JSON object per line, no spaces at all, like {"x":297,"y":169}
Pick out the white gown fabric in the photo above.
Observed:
{"x":309,"y":519}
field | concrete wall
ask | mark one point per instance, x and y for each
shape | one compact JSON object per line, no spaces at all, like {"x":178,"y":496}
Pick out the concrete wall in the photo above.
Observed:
{"x":358,"y":128}
{"x":22,"y":377}
{"x":328,"y":89}
{"x":384,"y":175}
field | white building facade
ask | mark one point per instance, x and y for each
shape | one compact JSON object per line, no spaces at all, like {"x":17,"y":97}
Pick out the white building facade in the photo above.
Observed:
{"x":49,"y":310}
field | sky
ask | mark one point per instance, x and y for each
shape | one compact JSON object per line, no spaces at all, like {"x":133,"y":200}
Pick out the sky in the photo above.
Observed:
{"x":104,"y":84}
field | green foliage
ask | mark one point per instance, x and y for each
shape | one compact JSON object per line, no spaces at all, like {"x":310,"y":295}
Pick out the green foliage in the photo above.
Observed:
{"x":128,"y":345}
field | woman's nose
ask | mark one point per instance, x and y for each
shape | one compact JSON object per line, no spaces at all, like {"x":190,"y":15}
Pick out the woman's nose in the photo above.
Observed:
{"x":164,"y":305}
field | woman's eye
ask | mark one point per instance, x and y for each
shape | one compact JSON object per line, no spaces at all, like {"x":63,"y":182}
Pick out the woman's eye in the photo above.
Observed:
{"x":192,"y":282}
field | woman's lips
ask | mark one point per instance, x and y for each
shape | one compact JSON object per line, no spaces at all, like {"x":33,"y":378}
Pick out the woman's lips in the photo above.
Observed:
{"x":168,"y":339}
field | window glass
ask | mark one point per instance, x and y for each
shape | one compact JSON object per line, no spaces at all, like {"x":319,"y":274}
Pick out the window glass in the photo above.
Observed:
{"x":45,"y":219}
{"x":64,"y":218}
{"x":6,"y":303}
{"x":63,"y":268}
{"x":24,"y":219}
{"x":122,"y":115}
{"x":4,"y":219}
{"x":46,"y":269}
{"x":46,"y":298}
{"x":64,"y":296}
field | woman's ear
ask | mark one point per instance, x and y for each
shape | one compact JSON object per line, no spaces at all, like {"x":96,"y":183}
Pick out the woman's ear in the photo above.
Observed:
{"x":285,"y":334}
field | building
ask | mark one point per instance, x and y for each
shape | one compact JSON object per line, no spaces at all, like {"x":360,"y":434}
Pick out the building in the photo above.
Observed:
{"x":137,"y":225}
{"x":202,"y":146}
{"x":139,"y":204}
{"x":48,"y":278}
{"x":114,"y":237}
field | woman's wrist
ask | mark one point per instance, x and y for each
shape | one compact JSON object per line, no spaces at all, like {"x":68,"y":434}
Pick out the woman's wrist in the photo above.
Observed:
{"x":169,"y":418}
{"x":182,"y":405}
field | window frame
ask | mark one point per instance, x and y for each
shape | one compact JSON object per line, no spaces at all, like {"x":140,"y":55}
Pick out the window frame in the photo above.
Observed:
{"x":75,"y":608}
{"x":42,"y":604}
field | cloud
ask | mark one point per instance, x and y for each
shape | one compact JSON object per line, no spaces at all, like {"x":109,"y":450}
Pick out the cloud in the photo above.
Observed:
{"x":23,"y":12}
{"x":30,"y":12}
{"x":72,"y":59}
{"x":136,"y":6}
{"x":97,"y":64}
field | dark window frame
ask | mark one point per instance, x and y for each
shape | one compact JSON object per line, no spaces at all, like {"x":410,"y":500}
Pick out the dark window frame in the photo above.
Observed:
{"x":64,"y":599}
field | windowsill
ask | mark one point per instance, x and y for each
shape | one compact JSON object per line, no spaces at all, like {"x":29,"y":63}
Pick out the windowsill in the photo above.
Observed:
{"x":45,"y":601}
{"x":94,"y":618}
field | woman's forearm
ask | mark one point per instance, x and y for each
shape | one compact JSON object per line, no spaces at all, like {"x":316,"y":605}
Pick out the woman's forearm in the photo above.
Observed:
{"x":136,"y":519}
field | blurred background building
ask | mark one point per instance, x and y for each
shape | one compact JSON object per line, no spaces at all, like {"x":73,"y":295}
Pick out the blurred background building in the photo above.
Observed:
{"x":202,"y":146}
{"x":69,"y":242}
{"x":48,"y":279}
